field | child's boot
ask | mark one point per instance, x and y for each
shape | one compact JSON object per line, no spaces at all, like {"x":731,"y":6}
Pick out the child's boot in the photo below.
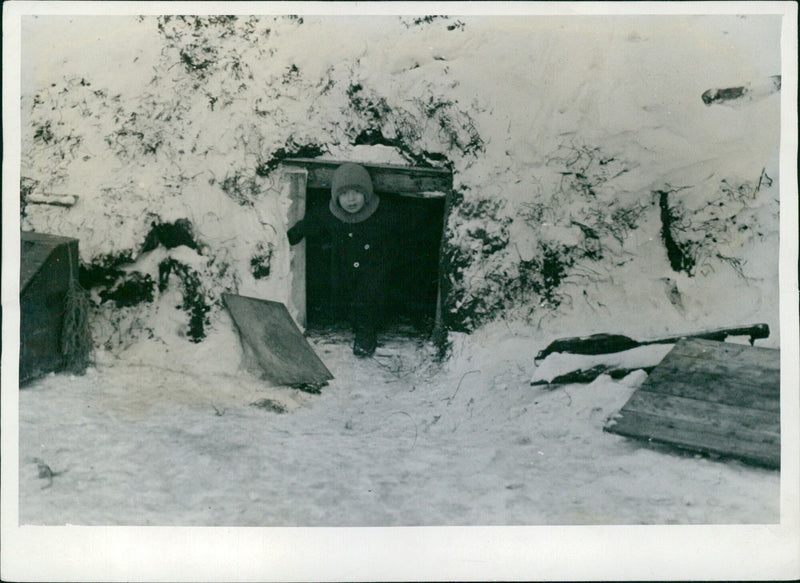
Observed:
{"x":365,"y":343}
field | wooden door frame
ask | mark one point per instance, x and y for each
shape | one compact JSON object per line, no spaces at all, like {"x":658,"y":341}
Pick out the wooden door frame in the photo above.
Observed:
{"x":304,"y":173}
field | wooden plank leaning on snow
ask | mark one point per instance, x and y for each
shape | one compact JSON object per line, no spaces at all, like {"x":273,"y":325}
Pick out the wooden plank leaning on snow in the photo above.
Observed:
{"x":711,"y":397}
{"x":283,"y":354}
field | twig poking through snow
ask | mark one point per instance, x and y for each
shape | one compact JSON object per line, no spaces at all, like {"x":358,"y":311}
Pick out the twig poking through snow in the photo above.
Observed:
{"x":396,"y":366}
{"x":46,"y":472}
{"x":416,"y":427}
{"x":453,"y":396}
{"x":382,"y":426}
{"x":269,"y":405}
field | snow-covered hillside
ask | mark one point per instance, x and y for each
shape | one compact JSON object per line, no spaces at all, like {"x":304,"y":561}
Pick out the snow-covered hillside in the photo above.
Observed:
{"x":594,"y":188}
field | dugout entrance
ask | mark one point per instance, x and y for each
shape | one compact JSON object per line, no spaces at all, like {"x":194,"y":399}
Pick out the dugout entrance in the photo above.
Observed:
{"x":414,"y":289}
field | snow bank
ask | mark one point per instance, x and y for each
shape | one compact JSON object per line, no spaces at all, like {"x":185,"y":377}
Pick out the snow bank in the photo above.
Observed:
{"x":594,"y":189}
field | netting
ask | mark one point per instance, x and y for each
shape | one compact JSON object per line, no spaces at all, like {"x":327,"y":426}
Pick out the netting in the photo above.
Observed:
{"x":77,"y":347}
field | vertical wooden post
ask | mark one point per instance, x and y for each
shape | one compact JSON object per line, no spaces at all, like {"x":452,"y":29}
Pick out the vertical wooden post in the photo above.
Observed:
{"x":442,"y":287}
{"x":297,"y":210}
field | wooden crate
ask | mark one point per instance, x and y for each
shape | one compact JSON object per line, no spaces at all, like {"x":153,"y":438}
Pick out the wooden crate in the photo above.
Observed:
{"x":46,"y":264}
{"x":711,"y":397}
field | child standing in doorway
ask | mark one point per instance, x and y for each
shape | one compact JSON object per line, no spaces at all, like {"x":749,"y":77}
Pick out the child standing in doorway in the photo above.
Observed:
{"x":364,"y":235}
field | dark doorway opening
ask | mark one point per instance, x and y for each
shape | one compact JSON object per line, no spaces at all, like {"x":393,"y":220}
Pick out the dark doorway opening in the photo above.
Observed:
{"x":414,"y":283}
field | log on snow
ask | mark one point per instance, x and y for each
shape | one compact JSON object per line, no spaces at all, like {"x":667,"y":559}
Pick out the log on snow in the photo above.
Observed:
{"x":610,"y":343}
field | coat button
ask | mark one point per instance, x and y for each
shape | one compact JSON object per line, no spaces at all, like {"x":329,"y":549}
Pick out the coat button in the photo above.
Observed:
{"x":356,"y":264}
{"x":366,"y":246}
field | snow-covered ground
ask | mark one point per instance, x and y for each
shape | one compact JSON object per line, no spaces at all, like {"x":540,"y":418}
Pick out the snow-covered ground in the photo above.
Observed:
{"x":396,"y":440}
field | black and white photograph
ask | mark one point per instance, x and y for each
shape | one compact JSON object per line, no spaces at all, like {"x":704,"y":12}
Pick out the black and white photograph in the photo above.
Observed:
{"x":402,"y":272}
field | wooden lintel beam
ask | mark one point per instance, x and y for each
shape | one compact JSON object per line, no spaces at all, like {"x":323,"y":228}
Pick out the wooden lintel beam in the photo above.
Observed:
{"x":411,"y":181}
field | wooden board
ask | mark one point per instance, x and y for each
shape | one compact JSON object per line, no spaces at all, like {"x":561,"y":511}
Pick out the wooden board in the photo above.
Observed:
{"x":711,"y":397}
{"x":283,"y":353}
{"x":47,"y":262}
{"x":423,"y":182}
{"x":35,"y":251}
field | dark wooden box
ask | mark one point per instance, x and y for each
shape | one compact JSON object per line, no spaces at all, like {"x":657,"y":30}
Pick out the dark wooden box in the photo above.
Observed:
{"x":47,"y":263}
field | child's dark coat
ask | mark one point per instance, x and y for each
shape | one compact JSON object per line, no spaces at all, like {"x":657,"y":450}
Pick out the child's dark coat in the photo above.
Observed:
{"x":363,"y":256}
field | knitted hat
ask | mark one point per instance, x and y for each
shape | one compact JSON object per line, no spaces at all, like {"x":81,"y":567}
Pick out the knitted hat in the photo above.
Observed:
{"x":353,"y":176}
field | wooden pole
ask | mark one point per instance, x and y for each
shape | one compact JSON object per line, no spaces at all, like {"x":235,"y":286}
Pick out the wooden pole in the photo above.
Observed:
{"x":297,"y":210}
